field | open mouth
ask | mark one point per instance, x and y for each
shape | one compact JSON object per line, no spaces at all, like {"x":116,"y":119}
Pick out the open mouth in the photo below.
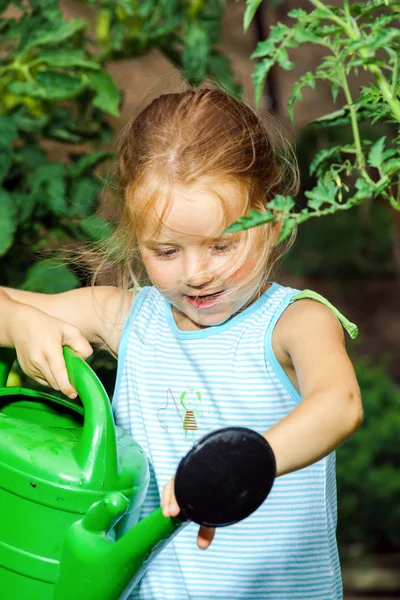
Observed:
{"x":205,"y":300}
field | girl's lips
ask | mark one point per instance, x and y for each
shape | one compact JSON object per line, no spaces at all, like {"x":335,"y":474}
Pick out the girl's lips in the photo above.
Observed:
{"x":204,"y":302}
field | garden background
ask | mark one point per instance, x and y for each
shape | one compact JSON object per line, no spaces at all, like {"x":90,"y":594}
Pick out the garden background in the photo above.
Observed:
{"x":73,"y":73}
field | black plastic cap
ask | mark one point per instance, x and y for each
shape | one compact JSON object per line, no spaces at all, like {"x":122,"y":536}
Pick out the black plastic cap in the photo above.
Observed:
{"x":225,"y":477}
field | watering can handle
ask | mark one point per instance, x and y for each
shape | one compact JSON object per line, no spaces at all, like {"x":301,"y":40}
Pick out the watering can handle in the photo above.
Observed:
{"x":96,"y":451}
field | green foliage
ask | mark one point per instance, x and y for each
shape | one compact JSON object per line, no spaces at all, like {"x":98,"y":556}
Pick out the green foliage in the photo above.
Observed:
{"x":357,"y":35}
{"x":367,"y":467}
{"x":251,"y":8}
{"x":47,"y":93}
{"x":186,"y":31}
{"x":54,"y":88}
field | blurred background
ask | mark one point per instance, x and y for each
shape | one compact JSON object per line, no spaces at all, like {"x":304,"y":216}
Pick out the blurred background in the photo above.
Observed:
{"x":72,"y":74}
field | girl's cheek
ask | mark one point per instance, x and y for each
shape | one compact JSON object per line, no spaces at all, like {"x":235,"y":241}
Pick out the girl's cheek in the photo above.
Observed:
{"x":244,"y":272}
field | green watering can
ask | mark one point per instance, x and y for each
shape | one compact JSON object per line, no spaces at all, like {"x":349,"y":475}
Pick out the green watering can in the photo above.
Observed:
{"x":72,"y":485}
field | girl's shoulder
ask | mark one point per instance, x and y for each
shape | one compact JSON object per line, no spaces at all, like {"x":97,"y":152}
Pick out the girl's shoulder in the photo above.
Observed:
{"x":307,"y":305}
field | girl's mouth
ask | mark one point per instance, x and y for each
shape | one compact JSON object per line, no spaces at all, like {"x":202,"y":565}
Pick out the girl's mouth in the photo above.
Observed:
{"x":205,"y":301}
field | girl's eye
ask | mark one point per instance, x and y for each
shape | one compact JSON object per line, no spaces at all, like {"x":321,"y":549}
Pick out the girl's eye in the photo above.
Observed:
{"x":165,"y":252}
{"x":221,"y":248}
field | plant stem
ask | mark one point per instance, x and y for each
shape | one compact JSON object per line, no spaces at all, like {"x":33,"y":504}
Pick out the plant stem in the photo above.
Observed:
{"x":393,"y":203}
{"x":386,"y":91}
{"x":347,"y":11}
{"x":347,"y":28}
{"x":354,"y":126}
{"x":375,"y":70}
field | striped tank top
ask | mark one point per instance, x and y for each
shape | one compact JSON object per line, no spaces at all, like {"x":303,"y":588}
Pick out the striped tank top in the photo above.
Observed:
{"x":175,"y":386}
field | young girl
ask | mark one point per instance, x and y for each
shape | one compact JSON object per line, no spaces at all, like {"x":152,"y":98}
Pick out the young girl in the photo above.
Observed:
{"x":210,"y":343}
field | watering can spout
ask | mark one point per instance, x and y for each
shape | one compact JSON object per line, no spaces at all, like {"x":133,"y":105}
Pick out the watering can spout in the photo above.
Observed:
{"x":109,"y":569}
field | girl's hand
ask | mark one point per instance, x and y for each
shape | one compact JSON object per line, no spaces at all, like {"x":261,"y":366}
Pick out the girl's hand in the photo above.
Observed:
{"x":170,"y":508}
{"x":38,"y":339}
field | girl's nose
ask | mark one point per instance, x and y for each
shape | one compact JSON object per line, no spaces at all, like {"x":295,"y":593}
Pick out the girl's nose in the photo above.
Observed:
{"x":198,"y":272}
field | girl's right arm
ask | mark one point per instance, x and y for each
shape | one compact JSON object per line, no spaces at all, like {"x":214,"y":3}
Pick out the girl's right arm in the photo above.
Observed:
{"x":39,"y":325}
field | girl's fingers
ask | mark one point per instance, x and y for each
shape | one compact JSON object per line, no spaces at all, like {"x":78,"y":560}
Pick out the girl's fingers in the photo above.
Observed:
{"x":46,"y":374}
{"x":59,"y":373}
{"x":205,"y":537}
{"x":39,"y":371}
{"x":169,"y":504}
{"x":73,"y":337}
{"x":42,"y":381}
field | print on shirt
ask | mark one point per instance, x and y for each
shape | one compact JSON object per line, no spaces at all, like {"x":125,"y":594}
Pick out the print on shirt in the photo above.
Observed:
{"x":195,"y":414}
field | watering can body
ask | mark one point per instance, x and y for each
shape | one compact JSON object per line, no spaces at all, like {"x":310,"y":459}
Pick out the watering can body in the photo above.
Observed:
{"x":60,"y":461}
{"x":72,"y":485}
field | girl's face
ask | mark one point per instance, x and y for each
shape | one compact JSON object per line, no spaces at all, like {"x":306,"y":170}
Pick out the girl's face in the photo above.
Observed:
{"x":205,"y":276}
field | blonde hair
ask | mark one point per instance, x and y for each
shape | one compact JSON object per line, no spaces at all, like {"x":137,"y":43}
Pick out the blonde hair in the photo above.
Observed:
{"x":181,"y":139}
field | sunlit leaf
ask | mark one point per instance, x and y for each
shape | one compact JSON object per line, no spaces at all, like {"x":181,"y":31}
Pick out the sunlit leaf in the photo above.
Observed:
{"x":281,"y":203}
{"x":95,"y":228}
{"x":251,"y":8}
{"x":322,"y":193}
{"x":50,"y":277}
{"x":375,"y":156}
{"x":253,"y":219}
{"x":195,"y":52}
{"x":107,"y":95}
{"x":259,"y":76}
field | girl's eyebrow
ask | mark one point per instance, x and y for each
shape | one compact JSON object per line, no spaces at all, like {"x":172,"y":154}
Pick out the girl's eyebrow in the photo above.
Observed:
{"x":225,"y":238}
{"x":151,"y":242}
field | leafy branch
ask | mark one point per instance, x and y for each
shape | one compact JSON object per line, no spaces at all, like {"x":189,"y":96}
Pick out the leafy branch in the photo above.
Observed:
{"x":355,"y":35}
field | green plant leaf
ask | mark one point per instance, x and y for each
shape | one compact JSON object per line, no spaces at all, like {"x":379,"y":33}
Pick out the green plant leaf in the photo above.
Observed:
{"x":6,"y":156}
{"x":220,"y":69}
{"x":95,"y":228}
{"x":338,"y":117}
{"x":322,"y":156}
{"x":282,"y":58}
{"x":302,"y":35}
{"x":308,"y":79}
{"x":321,"y":194}
{"x":53,"y":33}
{"x":107,"y":96}
{"x":63,"y":126}
{"x":68,"y":57}
{"x":376,"y":153}
{"x":48,"y":186}
{"x":251,"y":8}
{"x":86,"y":162}
{"x":8,"y":129}
{"x":391,"y":166}
{"x":259,"y":76}
{"x":50,"y":277}
{"x":25,"y":204}
{"x":32,"y":156}
{"x":281,"y":203}
{"x":195,"y":52}
{"x":27,"y":123}
{"x":253,"y":219}
{"x":364,"y":191}
{"x":298,"y":13}
{"x":49,"y":85}
{"x":8,"y":220}
{"x":288,"y":225}
{"x":277,"y":34}
{"x":82,"y":196}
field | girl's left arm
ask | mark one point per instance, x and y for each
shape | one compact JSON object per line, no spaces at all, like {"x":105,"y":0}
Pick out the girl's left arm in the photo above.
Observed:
{"x":309,"y":339}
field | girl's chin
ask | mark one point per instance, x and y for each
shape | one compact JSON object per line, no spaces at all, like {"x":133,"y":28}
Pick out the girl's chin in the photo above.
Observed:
{"x":192,"y":319}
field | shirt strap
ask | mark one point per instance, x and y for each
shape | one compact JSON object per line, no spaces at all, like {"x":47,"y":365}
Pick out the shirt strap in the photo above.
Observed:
{"x":350,"y":327}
